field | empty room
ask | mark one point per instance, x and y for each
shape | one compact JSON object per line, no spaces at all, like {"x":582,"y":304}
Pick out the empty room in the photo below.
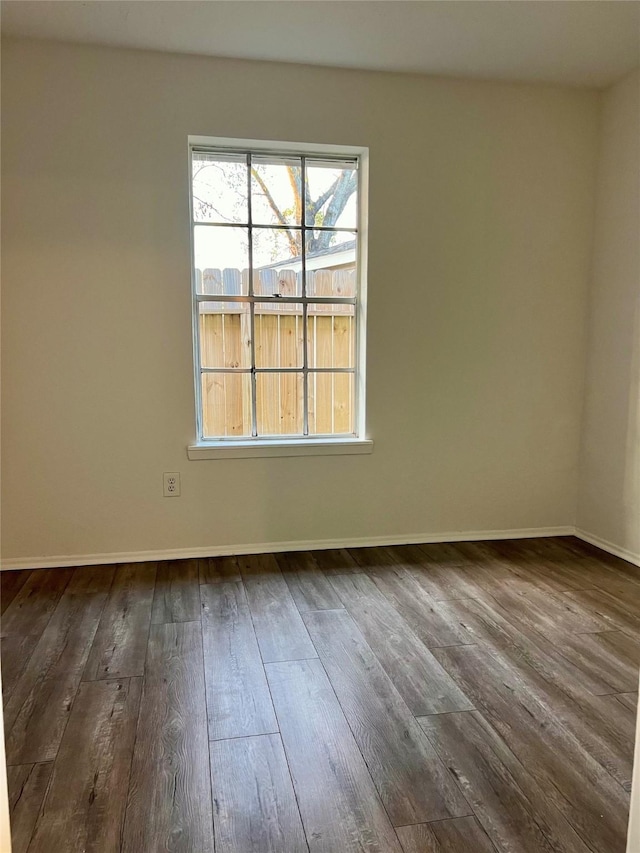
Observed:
{"x":320,"y":426}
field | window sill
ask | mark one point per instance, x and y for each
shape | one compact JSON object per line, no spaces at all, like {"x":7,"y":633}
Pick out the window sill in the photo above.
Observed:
{"x":308,"y":447}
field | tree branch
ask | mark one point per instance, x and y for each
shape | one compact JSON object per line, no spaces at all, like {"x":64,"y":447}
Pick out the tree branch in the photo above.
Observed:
{"x":343,"y":189}
{"x":207,"y":205}
{"x":274,"y":207}
{"x":295,"y":186}
{"x":314,"y":206}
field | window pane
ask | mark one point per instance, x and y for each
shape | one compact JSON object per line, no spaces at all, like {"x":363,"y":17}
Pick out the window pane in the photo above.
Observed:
{"x":225,"y":334}
{"x":279,"y":403}
{"x":226,"y":404}
{"x":331,"y":403}
{"x":278,"y":334}
{"x":331,"y":194}
{"x":219,"y":187}
{"x":221,"y":257}
{"x":331,"y":335}
{"x":277,"y":262}
{"x":331,"y":263}
{"x":275,"y":190}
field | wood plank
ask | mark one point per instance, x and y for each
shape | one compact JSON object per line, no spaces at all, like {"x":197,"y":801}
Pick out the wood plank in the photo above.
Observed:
{"x":176,"y":596}
{"x":416,"y":674}
{"x":268,"y":386}
{"x":308,"y":584}
{"x":213,"y":404}
{"x":423,"y":614}
{"x":579,"y":664}
{"x":582,"y":790}
{"x":120,"y":646}
{"x":10,"y":585}
{"x":550,"y":613}
{"x":255,"y":808}
{"x":578,"y":567}
{"x":85,"y":804}
{"x":289,"y":332}
{"x":576,"y":546}
{"x":338,"y":801}
{"x":623,"y":568}
{"x":453,"y":576}
{"x":218,"y":569}
{"x":628,"y":700}
{"x":481,"y":620}
{"x":606,"y":733}
{"x":27,"y":789}
{"x":343,"y":384}
{"x":336,"y":561}
{"x":507,"y":569}
{"x":414,"y":785}
{"x":581,"y":570}
{"x":623,"y":591}
{"x":614,"y":656}
{"x":608,"y":609}
{"x":311,"y":346}
{"x":444,"y":554}
{"x":595,"y":554}
{"x":544,"y":564}
{"x":525,"y":574}
{"x":514,"y":810}
{"x":322,"y":395}
{"x":624,"y":704}
{"x":235,"y":354}
{"x":246,"y":333}
{"x":494,"y":565}
{"x":26,"y":618}
{"x":38,"y":709}
{"x":94,"y":579}
{"x":445,"y":836}
{"x":344,"y":341}
{"x":279,"y":628}
{"x":237,"y":402}
{"x":444,"y":571}
{"x":238,"y":699}
{"x":377,"y":558}
{"x":536,"y":566}
{"x":169,"y":804}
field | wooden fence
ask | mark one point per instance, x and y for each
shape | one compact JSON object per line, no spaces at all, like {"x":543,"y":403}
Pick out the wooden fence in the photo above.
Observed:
{"x":225,"y":341}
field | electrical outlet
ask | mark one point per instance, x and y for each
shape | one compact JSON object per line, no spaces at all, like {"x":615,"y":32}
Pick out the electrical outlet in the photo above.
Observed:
{"x":171,"y":483}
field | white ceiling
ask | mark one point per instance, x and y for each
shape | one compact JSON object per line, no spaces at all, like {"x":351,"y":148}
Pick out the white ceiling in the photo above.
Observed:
{"x":578,"y":42}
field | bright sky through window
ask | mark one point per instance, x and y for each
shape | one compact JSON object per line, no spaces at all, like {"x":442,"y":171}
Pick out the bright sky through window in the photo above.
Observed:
{"x":221,"y":186}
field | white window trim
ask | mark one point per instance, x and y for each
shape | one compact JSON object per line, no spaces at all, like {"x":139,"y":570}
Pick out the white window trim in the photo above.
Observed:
{"x":267,"y":446}
{"x":277,"y":447}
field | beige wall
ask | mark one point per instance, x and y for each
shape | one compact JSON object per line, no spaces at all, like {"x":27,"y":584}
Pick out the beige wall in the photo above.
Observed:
{"x":609,"y":494}
{"x":481,"y":214}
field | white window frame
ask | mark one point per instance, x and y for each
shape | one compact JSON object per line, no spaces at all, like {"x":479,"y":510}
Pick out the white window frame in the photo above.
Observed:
{"x":278,"y":445}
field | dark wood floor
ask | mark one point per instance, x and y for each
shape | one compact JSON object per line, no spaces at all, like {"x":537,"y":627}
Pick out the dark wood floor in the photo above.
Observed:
{"x":455,"y":698}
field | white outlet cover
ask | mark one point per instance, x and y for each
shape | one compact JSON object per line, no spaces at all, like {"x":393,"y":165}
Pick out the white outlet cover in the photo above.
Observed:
{"x":171,"y":484}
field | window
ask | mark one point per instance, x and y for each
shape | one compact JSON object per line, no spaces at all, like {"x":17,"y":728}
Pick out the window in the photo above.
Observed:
{"x":277,"y":293}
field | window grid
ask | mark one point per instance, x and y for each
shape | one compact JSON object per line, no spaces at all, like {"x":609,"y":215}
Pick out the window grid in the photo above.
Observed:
{"x":305,"y":310}
{"x":252,"y":298}
{"x":252,"y":307}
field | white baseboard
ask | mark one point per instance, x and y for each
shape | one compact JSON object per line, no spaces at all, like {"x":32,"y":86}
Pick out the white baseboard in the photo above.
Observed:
{"x":15,"y":563}
{"x":592,"y":539}
{"x":62,"y":560}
